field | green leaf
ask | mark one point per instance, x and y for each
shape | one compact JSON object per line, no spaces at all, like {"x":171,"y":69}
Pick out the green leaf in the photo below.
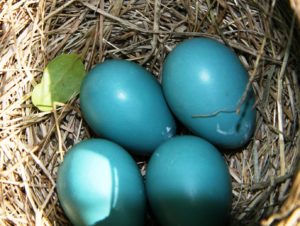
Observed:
{"x":60,"y":82}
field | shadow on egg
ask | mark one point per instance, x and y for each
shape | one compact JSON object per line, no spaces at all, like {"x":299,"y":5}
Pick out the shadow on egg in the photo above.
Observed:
{"x":245,"y":106}
{"x":200,"y":211}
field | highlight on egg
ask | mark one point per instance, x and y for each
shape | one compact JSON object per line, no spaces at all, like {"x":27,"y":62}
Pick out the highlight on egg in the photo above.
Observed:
{"x":99,"y":184}
{"x":121,"y":101}
{"x":188,"y":183}
{"x":205,"y":85}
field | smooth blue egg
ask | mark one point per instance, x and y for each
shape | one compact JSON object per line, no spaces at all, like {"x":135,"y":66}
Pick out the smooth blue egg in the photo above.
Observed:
{"x":188,"y":183}
{"x":99,"y":184}
{"x":123,"y":102}
{"x":204,"y":82}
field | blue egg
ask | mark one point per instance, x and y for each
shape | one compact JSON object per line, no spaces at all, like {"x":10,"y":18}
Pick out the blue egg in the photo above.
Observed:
{"x":123,"y":102}
{"x":100,"y":184}
{"x":204,"y":82}
{"x":188,"y":183}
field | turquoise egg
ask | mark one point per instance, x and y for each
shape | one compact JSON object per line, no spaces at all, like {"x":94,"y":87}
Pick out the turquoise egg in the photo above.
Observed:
{"x":203,"y":82}
{"x":188,"y":183}
{"x":123,"y":102}
{"x":99,"y":184}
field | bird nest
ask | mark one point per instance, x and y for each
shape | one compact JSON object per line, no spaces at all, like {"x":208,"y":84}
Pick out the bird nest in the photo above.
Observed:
{"x":262,"y":33}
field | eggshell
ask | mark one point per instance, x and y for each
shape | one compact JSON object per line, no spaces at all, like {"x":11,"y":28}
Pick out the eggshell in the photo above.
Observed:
{"x":188,"y":183}
{"x":204,"y":82}
{"x":100,"y":184}
{"x":122,"y":101}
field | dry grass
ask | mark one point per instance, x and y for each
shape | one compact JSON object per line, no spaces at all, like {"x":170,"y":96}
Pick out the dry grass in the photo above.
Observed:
{"x":33,"y":32}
